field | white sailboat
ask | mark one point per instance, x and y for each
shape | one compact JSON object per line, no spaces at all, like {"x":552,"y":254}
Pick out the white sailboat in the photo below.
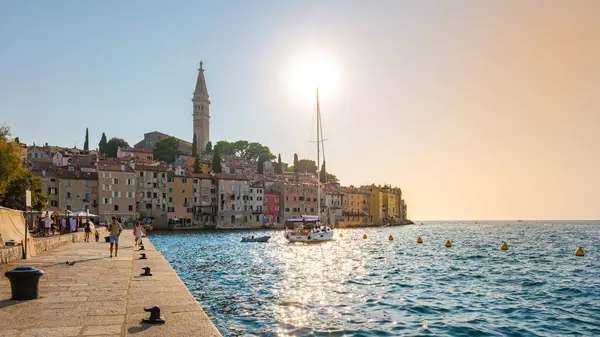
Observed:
{"x":309,"y":228}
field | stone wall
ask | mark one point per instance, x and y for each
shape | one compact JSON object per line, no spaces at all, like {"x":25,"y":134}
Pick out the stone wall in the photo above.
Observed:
{"x":8,"y":254}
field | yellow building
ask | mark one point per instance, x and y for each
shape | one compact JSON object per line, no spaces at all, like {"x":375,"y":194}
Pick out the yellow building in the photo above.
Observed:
{"x":390,"y":204}
{"x":180,"y":200}
{"x":375,"y":204}
{"x":356,"y":206}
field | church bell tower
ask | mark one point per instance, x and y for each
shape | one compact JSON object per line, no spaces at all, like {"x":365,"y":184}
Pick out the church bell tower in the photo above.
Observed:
{"x":201,"y":112}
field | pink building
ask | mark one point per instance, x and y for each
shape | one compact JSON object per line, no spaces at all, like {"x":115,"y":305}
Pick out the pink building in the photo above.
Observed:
{"x":272,"y":202}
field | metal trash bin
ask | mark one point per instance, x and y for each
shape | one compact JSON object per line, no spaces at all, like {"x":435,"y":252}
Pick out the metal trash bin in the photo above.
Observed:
{"x":24,"y":282}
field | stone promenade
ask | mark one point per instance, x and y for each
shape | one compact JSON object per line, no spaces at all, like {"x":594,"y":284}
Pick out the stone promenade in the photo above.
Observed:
{"x":102,"y":296}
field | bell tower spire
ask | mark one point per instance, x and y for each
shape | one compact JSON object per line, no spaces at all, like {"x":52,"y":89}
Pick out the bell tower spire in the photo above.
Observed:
{"x":201,"y":111}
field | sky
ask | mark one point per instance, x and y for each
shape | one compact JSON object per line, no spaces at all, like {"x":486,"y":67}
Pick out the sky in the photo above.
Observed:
{"x":476,"y":109}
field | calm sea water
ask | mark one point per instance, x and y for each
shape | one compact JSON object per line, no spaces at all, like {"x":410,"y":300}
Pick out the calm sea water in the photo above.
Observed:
{"x":376,"y":287}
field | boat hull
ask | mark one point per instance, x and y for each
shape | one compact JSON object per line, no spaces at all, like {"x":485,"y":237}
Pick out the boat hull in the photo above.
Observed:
{"x":259,"y":239}
{"x":310,"y":237}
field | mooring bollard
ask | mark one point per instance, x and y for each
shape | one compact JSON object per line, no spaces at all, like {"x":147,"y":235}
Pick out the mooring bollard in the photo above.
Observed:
{"x":146,"y":272}
{"x":142,"y":247}
{"x":107,"y":239}
{"x":155,"y":317}
{"x":143,"y":256}
{"x":24,"y":282}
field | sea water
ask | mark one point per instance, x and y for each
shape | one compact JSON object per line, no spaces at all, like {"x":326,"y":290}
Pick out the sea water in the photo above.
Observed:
{"x":377,"y":287}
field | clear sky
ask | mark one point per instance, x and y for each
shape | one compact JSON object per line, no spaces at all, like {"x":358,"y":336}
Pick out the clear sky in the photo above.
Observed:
{"x":477,"y":109}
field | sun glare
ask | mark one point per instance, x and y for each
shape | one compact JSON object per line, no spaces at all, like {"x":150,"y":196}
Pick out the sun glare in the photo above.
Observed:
{"x":311,"y":70}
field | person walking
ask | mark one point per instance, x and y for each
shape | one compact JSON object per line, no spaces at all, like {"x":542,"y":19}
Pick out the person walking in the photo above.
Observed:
{"x":88,"y":231}
{"x":138,"y":233}
{"x":115,"y":229}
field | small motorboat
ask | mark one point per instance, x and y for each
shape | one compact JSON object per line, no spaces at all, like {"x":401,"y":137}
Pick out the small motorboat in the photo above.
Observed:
{"x":255,"y":238}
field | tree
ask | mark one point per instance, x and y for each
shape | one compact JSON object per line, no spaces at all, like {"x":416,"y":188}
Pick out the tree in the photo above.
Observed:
{"x":305,"y":165}
{"x":166,"y":150}
{"x":224,"y":148}
{"x":216,"y":163}
{"x":240,"y":148}
{"x":10,"y":159}
{"x":279,"y":167}
{"x":296,"y":170}
{"x":197,"y":168}
{"x":86,"y":143}
{"x":323,"y":174}
{"x":23,"y":180}
{"x":195,"y":147}
{"x":17,"y":140}
{"x":113,"y":146}
{"x":208,"y":148}
{"x":102,"y":144}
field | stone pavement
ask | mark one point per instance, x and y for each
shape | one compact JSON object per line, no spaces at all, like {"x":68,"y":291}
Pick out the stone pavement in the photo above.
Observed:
{"x":102,"y":296}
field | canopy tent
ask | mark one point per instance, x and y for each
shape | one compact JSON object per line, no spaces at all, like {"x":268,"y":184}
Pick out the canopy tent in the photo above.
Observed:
{"x":83,"y":213}
{"x":12,"y":227}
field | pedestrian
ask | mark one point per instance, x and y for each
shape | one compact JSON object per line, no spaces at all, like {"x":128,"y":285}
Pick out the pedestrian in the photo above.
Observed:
{"x":115,"y":230}
{"x":88,"y":231}
{"x":138,"y":233}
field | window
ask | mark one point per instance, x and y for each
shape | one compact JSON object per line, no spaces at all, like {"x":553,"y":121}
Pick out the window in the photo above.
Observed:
{"x":115,"y":194}
{"x":163,"y":175}
{"x":170,"y":189}
{"x":86,"y":196}
{"x":155,"y":195}
{"x":68,"y":195}
{"x":164,"y":195}
{"x":171,"y":209}
{"x":115,"y":181}
{"x":257,"y":220}
{"x":190,"y":210}
{"x":294,"y":198}
{"x":68,"y":207}
{"x":312,"y":210}
{"x":155,"y":185}
{"x":68,"y":183}
{"x":53,"y":203}
{"x":86,"y":183}
{"x":183,"y":180}
{"x":52,"y":191}
{"x":168,"y":179}
{"x":301,"y":198}
{"x":155,"y":175}
{"x":130,"y":208}
{"x":287,"y":209}
{"x":116,"y":207}
{"x":148,"y":195}
{"x":141,"y":173}
{"x":250,"y":190}
{"x":182,"y":191}
{"x":170,"y":199}
{"x":148,"y":206}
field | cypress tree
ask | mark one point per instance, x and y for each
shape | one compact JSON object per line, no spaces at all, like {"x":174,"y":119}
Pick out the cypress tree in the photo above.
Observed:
{"x":86,"y":143}
{"x":195,"y":147}
{"x":216,"y":163}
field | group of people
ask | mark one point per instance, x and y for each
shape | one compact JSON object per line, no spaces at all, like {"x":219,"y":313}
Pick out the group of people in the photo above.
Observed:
{"x":115,"y":229}
{"x":50,"y":223}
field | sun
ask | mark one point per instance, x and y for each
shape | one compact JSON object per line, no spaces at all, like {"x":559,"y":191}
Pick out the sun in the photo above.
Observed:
{"x":315,"y":69}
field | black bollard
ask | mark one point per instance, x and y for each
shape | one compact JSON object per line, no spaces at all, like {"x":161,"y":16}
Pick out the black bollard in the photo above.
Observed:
{"x":143,"y":256}
{"x":24,"y":282}
{"x":142,"y":247}
{"x":146,"y":272}
{"x":107,"y":239}
{"x":155,"y":317}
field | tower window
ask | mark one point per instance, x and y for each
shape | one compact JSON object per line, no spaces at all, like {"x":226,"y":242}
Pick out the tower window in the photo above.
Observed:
{"x":202,"y":107}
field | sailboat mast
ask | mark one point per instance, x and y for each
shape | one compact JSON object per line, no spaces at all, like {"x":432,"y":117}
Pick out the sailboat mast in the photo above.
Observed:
{"x":318,"y":157}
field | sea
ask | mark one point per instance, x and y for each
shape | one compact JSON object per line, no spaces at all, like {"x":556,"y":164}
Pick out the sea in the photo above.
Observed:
{"x":374,"y":286}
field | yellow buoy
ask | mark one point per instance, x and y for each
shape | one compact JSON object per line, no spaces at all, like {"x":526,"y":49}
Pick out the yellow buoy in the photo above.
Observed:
{"x":391,"y":238}
{"x":364,"y":236}
{"x":579,"y":252}
{"x":504,"y":246}
{"x":341,"y":235}
{"x":448,"y":244}
{"x":419,"y":240}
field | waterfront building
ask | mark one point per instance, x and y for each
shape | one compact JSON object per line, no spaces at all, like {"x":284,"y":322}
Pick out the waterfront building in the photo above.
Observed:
{"x":390,"y":205}
{"x":376,"y":205}
{"x":356,"y":206}
{"x":257,"y":196}
{"x":233,"y":202}
{"x":152,"y":194}
{"x":180,"y":197}
{"x":333,"y":206}
{"x":201,"y":112}
{"x":297,"y":198}
{"x":78,"y":191}
{"x":117,"y":189}
{"x":271,"y":207}
{"x":205,"y":200}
